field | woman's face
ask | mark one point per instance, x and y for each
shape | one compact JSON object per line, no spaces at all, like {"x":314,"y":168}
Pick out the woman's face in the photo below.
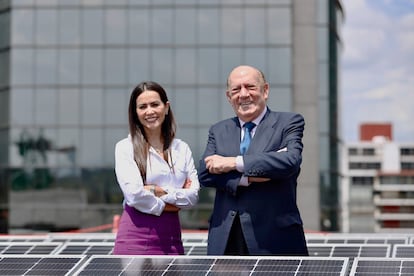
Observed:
{"x":151,"y":110}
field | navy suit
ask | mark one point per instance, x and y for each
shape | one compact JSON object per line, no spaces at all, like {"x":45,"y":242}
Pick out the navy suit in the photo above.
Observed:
{"x":269,"y":216}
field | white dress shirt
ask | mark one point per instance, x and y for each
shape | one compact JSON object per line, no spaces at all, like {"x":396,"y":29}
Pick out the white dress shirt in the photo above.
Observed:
{"x":158,"y":173}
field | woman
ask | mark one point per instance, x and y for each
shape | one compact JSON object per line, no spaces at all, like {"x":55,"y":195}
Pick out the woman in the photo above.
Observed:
{"x":156,"y":174}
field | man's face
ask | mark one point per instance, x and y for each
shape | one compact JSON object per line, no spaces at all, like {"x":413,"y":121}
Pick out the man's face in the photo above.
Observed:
{"x":247,"y":93}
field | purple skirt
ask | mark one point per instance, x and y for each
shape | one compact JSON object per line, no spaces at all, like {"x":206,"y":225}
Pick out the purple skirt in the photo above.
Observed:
{"x":144,"y":234}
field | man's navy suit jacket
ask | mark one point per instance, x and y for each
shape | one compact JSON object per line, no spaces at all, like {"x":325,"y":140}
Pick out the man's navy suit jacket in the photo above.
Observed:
{"x":268,"y":211}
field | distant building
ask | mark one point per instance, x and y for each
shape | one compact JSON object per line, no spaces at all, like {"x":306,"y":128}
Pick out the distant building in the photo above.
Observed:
{"x":378,"y":188}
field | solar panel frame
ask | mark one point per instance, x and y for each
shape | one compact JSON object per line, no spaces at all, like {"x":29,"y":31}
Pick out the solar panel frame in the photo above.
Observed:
{"x":403,"y":251}
{"x":195,"y":248}
{"x":349,"y":250}
{"x":39,"y":264}
{"x":29,"y":248}
{"x":358,"y":238}
{"x":211,"y":265}
{"x":86,"y":248}
{"x":81,"y":237}
{"x":382,"y":266}
{"x":23,"y":238}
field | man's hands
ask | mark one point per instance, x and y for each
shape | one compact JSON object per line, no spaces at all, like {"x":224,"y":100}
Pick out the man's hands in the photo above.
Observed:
{"x":217,"y":164}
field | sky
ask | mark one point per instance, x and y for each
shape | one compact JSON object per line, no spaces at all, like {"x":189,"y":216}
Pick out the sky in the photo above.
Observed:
{"x":377,"y":67}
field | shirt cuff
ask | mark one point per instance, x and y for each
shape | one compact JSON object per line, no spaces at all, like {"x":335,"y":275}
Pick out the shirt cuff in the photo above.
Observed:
{"x":239,"y":163}
{"x":244,"y":181}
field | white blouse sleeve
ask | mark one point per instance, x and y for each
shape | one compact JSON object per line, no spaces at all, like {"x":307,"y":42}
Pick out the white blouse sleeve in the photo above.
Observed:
{"x":130,"y":181}
{"x":188,"y":197}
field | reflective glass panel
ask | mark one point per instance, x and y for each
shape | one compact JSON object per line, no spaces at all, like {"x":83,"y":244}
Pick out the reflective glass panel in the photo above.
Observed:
{"x":162,"y":65}
{"x":208,"y":69}
{"x":162,"y":26}
{"x":21,"y":107}
{"x":46,"y":106}
{"x":69,"y":66}
{"x":138,"y":26}
{"x":115,"y":66}
{"x":115,"y":26}
{"x":46,"y":26}
{"x":138,"y":65}
{"x":185,"y":26}
{"x":69,"y":106}
{"x":69,"y":26}
{"x":279,"y":21}
{"x":91,"y":150}
{"x":22,"y":27}
{"x":92,"y":66}
{"x":116,"y":106}
{"x":92,"y":27}
{"x":92,"y":107}
{"x":45,"y":66}
{"x":185,"y":66}
{"x":22,"y":66}
{"x":208,"y":26}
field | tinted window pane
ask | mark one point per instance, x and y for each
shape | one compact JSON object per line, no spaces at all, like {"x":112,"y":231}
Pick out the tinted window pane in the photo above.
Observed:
{"x":162,"y":61}
{"x":22,"y":69}
{"x":45,"y":66}
{"x":185,"y":26}
{"x":281,"y":18}
{"x":255,"y":26}
{"x":162,"y":26}
{"x":208,"y":26}
{"x":69,"y":27}
{"x":185,"y":106}
{"x":92,"y":107}
{"x":232,"y":25}
{"x":92,"y":66}
{"x":115,"y":23}
{"x":69,"y":66}
{"x":208,"y":70}
{"x":115,"y":66}
{"x":138,"y":64}
{"x":92,"y":29}
{"x":22,"y":27}
{"x":91,"y":150}
{"x":280,"y":71}
{"x":45,"y":106}
{"x":185,"y":62}
{"x":69,"y":107}
{"x":139,"y":22}
{"x":46,"y":27}
{"x":116,"y":107}
{"x":21,"y":107}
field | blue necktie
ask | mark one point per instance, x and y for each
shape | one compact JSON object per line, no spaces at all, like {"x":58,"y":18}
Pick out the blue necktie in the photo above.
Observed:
{"x":247,"y":136}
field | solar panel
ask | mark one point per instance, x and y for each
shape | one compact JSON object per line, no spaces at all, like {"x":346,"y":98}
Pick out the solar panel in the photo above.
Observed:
{"x":382,"y":266}
{"x":403,"y":251}
{"x":212,"y":265}
{"x":23,"y":238}
{"x":190,"y":237}
{"x":39,"y":264}
{"x":82,"y":237}
{"x":86,"y":248}
{"x":349,"y":250}
{"x":29,"y":247}
{"x":195,"y":248}
{"x":357,"y":238}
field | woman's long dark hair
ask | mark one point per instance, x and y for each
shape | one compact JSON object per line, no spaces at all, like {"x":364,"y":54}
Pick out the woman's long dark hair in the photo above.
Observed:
{"x":139,"y":139}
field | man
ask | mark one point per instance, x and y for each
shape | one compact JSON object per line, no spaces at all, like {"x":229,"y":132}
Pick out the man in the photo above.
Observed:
{"x":255,"y":210}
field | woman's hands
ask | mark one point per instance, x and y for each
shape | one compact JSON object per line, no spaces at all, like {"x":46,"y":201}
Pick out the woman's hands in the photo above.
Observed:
{"x":158,"y":192}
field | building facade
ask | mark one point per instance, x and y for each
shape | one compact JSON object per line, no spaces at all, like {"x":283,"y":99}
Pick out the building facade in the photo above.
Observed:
{"x":378,"y":188}
{"x":67,"y":69}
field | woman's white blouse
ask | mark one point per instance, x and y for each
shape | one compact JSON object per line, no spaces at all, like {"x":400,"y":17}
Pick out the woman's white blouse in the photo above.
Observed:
{"x":158,"y":173}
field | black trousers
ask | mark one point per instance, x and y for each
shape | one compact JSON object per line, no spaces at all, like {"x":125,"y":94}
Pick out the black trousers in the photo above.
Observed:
{"x":236,"y":244}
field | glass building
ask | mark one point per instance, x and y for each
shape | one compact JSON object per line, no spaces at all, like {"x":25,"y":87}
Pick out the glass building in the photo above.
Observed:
{"x":67,"y":69}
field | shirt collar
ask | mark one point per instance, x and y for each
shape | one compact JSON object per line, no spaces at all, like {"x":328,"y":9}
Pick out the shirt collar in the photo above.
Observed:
{"x":257,"y":120}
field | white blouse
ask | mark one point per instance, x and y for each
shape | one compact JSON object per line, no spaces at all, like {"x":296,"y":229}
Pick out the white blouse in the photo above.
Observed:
{"x":158,"y":173}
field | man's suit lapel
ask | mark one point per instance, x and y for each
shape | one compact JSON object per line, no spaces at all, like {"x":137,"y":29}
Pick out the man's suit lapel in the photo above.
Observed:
{"x":263,"y":134}
{"x":234,"y":131}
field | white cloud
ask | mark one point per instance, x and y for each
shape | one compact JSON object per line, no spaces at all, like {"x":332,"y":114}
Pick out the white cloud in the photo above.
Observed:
{"x":377,"y":81}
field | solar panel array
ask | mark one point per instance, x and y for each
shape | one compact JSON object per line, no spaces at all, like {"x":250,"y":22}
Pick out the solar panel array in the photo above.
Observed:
{"x":91,"y":254}
{"x":210,"y":265}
